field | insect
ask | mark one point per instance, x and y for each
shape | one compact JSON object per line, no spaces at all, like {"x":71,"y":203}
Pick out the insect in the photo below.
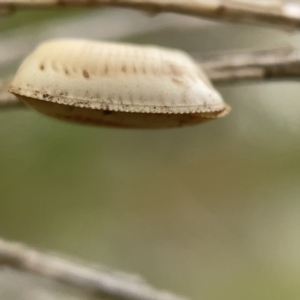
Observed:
{"x":120,"y":85}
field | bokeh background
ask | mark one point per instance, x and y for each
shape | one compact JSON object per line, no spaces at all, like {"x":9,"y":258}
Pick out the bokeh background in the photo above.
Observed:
{"x":209,"y":212}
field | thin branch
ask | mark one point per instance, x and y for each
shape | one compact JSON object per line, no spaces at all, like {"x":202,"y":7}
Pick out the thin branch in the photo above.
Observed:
{"x":284,"y":13}
{"x":99,"y":283}
{"x":275,"y":64}
{"x":254,"y":66}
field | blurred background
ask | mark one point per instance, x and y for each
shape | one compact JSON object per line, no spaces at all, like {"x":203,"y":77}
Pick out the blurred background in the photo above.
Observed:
{"x":209,"y":212}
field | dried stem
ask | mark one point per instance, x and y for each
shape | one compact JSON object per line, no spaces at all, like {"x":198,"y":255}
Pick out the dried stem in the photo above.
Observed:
{"x":255,"y":66}
{"x":276,"y":64}
{"x":284,"y":13}
{"x":99,"y":283}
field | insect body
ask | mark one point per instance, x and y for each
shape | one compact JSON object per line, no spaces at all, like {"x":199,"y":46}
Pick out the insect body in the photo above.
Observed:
{"x":119,"y":85}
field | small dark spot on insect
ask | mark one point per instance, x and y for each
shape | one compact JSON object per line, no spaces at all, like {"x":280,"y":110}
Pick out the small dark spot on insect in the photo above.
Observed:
{"x":124,"y":69}
{"x":175,"y":70}
{"x":45,"y":95}
{"x":67,"y":72}
{"x":178,"y":81}
{"x":42,"y":67}
{"x":85,"y":74}
{"x":154,"y":107}
{"x":106,"y":69}
{"x":107,"y":112}
{"x":61,"y":2}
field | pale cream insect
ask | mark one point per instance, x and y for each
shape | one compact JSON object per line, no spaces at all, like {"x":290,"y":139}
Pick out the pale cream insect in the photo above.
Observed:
{"x":117,"y":85}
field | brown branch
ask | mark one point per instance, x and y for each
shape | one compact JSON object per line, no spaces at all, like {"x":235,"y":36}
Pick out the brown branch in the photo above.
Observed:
{"x":255,"y":66}
{"x":271,"y":12}
{"x":99,"y":283}
{"x":276,"y":64}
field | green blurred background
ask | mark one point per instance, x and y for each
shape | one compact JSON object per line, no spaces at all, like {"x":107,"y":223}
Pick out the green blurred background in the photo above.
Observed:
{"x":210,"y":212}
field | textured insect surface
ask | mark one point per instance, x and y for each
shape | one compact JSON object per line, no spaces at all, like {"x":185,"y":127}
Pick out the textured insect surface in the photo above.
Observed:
{"x":117,"y":85}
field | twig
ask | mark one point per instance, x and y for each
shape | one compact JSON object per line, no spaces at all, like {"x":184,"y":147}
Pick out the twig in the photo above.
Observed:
{"x":276,"y":64}
{"x":256,"y":66}
{"x":94,"y":282}
{"x":284,"y":13}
